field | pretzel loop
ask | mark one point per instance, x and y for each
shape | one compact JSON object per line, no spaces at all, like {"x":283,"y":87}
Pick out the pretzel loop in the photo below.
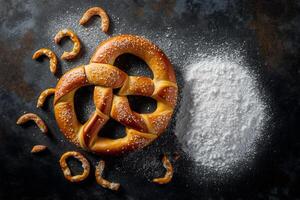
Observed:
{"x":141,"y":129}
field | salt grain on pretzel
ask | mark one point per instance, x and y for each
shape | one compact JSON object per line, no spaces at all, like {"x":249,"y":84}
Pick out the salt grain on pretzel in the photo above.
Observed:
{"x":76,"y":48}
{"x":43,"y":96}
{"x":103,"y":182}
{"x":34,"y":117}
{"x":169,"y":173}
{"x":141,"y":129}
{"x":66,"y":170}
{"x":96,"y":11}
{"x":38,"y":148}
{"x":50,"y":54}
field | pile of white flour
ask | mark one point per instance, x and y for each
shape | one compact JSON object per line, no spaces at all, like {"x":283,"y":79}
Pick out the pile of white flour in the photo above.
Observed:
{"x":222,"y":115}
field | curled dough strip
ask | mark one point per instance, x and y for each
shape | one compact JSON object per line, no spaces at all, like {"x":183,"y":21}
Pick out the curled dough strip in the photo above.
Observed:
{"x":76,"y":48}
{"x":66,"y":170}
{"x":43,"y":96}
{"x":169,"y":173}
{"x":34,"y":117}
{"x":96,"y":11}
{"x":101,"y":181}
{"x":50,"y":54}
{"x":38,"y":148}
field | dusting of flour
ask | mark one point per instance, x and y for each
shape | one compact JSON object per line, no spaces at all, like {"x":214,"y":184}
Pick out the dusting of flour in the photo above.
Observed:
{"x":222,"y":115}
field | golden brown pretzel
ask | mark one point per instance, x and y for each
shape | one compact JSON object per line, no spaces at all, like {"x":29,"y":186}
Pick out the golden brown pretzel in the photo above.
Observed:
{"x":76,"y":48}
{"x":34,"y":117}
{"x":38,"y":148}
{"x":43,"y":96}
{"x":50,"y":54}
{"x":169,"y":173}
{"x":103,"y":182}
{"x":96,"y":11}
{"x":66,"y":170}
{"x":141,"y":129}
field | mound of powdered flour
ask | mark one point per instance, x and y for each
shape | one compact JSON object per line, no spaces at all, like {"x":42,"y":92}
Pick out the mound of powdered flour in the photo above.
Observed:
{"x":222,"y":115}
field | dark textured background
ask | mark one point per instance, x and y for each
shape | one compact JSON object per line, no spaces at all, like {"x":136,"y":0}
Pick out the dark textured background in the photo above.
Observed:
{"x":269,"y":33}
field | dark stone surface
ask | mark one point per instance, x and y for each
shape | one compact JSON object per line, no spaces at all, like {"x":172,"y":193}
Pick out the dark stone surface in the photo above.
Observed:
{"x":269,"y":32}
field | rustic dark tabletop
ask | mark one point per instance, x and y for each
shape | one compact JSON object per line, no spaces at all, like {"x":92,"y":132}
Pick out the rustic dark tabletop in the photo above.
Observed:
{"x":267,"y":31}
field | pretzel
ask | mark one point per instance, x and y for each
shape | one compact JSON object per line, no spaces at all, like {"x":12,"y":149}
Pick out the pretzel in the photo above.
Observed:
{"x":31,"y":116}
{"x":169,"y":173}
{"x":76,"y":48}
{"x":141,"y":129}
{"x":38,"y":148}
{"x":50,"y":54}
{"x":44,"y":95}
{"x":66,"y":170}
{"x":103,"y":182}
{"x":96,"y":11}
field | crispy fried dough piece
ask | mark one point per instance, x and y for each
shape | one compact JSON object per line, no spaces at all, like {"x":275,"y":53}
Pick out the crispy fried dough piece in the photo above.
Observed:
{"x":103,"y":182}
{"x":66,"y":170}
{"x":43,"y":96}
{"x":169,"y":173}
{"x":38,"y":148}
{"x":76,"y":48}
{"x":34,"y":117}
{"x":50,"y":54}
{"x":96,"y":11}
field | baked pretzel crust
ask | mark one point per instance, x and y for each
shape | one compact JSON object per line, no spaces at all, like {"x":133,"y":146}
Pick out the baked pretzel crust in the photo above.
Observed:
{"x":96,"y":11}
{"x":103,"y":182}
{"x":50,"y":54}
{"x":43,"y":96}
{"x":38,"y":148}
{"x":169,"y":172}
{"x":76,"y":48}
{"x":66,"y":170}
{"x":141,"y":129}
{"x":34,"y":117}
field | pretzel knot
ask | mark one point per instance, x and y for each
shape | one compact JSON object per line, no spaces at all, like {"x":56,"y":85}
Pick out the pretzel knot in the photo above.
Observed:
{"x":141,"y":129}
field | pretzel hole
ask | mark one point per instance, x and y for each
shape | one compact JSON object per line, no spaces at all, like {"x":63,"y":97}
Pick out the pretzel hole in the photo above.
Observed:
{"x":116,"y":91}
{"x":67,"y":43}
{"x":83,"y":103}
{"x":42,"y":58}
{"x":74,"y":165}
{"x":141,"y":104}
{"x":133,"y":65}
{"x":93,"y":21}
{"x":30,"y":124}
{"x":112,"y":129}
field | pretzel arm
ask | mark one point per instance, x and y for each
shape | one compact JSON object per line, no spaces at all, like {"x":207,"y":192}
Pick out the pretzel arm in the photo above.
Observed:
{"x":92,"y":127}
{"x":103,"y":99}
{"x":76,"y":48}
{"x":43,"y":96}
{"x":96,"y":11}
{"x":133,"y":140}
{"x":122,"y":113}
{"x":137,"y":85}
{"x":34,"y":117}
{"x":50,"y":54}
